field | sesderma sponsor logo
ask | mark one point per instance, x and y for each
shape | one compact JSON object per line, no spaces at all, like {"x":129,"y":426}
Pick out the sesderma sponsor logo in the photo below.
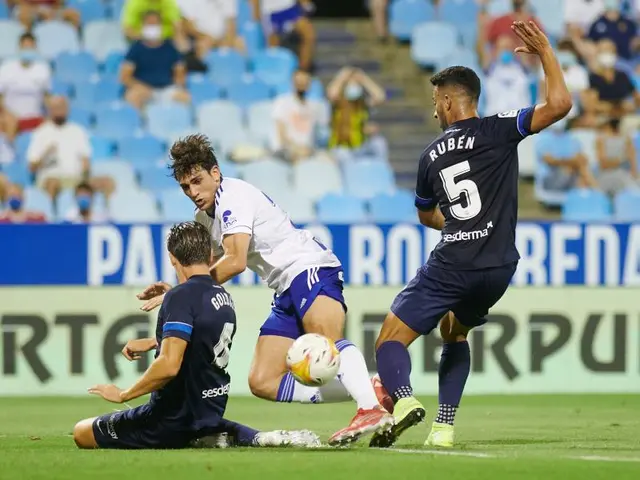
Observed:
{"x":467,"y":236}
{"x":216,"y":392}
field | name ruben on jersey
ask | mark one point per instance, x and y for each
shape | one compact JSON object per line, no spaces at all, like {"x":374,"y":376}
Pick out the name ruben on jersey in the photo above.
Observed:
{"x":461,"y":143}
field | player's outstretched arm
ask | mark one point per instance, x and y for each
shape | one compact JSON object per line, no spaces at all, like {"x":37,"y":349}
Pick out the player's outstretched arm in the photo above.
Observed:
{"x":234,"y":260}
{"x":558,"y":102}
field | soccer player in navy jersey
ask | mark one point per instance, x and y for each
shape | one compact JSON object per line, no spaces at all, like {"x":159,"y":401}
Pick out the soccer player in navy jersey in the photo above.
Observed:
{"x":188,"y":379}
{"x":467,"y":187}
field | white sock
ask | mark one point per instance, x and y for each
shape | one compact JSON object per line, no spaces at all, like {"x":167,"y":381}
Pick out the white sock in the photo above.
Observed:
{"x":354,"y":375}
{"x":332,"y":392}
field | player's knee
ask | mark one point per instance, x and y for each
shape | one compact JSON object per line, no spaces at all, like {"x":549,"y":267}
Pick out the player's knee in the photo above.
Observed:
{"x":395,"y":330}
{"x":262,"y":386}
{"x":451,"y":330}
{"x":83,"y":434}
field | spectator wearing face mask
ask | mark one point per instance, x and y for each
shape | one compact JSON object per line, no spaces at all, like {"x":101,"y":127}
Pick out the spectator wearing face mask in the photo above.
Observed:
{"x":30,"y":11}
{"x":134,"y":14}
{"x":59,"y":152}
{"x":83,"y":211}
{"x":352,"y":94}
{"x":153,"y":68}
{"x":613,"y":25}
{"x":15,"y":211}
{"x":616,"y":159}
{"x":25,"y":83}
{"x":297,"y":120}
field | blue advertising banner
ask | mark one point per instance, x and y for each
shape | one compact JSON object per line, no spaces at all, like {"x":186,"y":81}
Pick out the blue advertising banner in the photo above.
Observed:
{"x":552,"y":254}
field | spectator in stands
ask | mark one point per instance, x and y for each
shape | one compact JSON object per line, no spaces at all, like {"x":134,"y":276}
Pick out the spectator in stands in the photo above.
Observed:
{"x":568,"y":166}
{"x":16,"y":213}
{"x":591,"y":113}
{"x":613,"y":25}
{"x":579,"y":15}
{"x":352,"y":93}
{"x":82,"y":211}
{"x":30,"y":11}
{"x":153,"y":68}
{"x":212,"y":24}
{"x":134,"y":16}
{"x":507,"y":83}
{"x":616,"y":159}
{"x":283,"y":17}
{"x":297,"y":120}
{"x":25,"y":83}
{"x":59,"y":153}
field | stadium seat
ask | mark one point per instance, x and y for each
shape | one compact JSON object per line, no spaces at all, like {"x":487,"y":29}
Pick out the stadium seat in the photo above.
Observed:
{"x":21,"y":144}
{"x":459,"y":12}
{"x":203,"y":91}
{"x":156,"y":178}
{"x":587,"y":139}
{"x":17,"y":172}
{"x":432,"y":42}
{"x":627,"y":206}
{"x":367,"y":178}
{"x":117,"y":120}
{"x":226,"y":139}
{"x":251,"y":32}
{"x":269,"y":175}
{"x":315,"y":178}
{"x":70,"y":67}
{"x":299,"y":208}
{"x":132,"y":206}
{"x":81,"y":117}
{"x":101,"y":147}
{"x":217,"y":115}
{"x":405,"y":15}
{"x":55,"y":37}
{"x":226,"y":66}
{"x":122,"y":173}
{"x":341,"y":209}
{"x":244,"y":13}
{"x":175,"y":206}
{"x":10,"y":31}
{"x":90,"y":94}
{"x":4,"y":11}
{"x":163,"y":119}
{"x":274,"y":65}
{"x":36,"y":199}
{"x":584,"y":205}
{"x":247,"y":92}
{"x":460,"y":56}
{"x":66,"y":201}
{"x":497,"y":8}
{"x":58,"y":87}
{"x":112,"y":62}
{"x":260,"y":122}
{"x":103,"y":37}
{"x":546,"y":11}
{"x":142,"y":149}
{"x":398,"y":207}
{"x":228,"y":169}
{"x":560,"y":147}
{"x":90,"y":10}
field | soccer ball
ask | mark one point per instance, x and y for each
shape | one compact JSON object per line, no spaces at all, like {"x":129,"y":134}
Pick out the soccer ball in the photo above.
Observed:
{"x":313,"y":360}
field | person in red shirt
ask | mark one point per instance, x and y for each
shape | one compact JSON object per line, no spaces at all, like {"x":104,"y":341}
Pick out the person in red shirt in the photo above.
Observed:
{"x":28,"y":11}
{"x":16,"y":213}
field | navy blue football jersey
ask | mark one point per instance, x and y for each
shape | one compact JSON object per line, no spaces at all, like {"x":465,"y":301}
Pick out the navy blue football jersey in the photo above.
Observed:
{"x":471,"y":172}
{"x":201,"y":313}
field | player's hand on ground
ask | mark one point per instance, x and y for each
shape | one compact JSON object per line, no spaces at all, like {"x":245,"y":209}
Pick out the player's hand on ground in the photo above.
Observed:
{"x":535,"y":41}
{"x":152,"y":304}
{"x":109,"y":392}
{"x":134,"y":348}
{"x":153,"y":290}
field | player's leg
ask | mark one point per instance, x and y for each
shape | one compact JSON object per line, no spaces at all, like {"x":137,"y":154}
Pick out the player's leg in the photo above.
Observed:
{"x":83,"y":434}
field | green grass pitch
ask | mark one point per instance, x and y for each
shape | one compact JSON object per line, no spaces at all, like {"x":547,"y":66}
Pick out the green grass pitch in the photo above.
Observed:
{"x":499,"y":437}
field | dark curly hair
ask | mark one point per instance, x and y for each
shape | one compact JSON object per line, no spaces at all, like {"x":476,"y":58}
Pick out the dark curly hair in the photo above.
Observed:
{"x":190,"y":153}
{"x":190,"y":243}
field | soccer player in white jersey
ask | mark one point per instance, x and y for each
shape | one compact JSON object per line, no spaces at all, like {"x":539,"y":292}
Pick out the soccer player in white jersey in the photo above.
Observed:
{"x":251,"y":231}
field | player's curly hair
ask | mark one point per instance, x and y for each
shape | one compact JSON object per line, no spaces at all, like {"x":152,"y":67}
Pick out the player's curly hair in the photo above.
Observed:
{"x":190,"y":243}
{"x":461,"y":77}
{"x":190,"y":153}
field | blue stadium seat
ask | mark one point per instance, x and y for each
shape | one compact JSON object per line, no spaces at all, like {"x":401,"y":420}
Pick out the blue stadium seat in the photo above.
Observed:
{"x":102,"y":37}
{"x":141,"y":150}
{"x":560,"y":146}
{"x":228,"y":169}
{"x":460,"y":56}
{"x":112,"y":62}
{"x":367,"y":178}
{"x":17,"y":172}
{"x":117,"y":120}
{"x":405,"y":15}
{"x":459,"y":12}
{"x":58,"y":87}
{"x":203,"y":91}
{"x":341,"y":209}
{"x":269,"y":175}
{"x":584,"y":205}
{"x":81,"y":117}
{"x":175,"y":206}
{"x":90,"y":10}
{"x":4,"y":11}
{"x":300,"y":209}
{"x":101,"y":147}
{"x":226,"y":66}
{"x":251,"y":32}
{"x":627,"y":206}
{"x":10,"y":31}
{"x":497,"y":8}
{"x":244,"y":12}
{"x":55,"y":37}
{"x":36,"y":199}
{"x":398,"y":207}
{"x":247,"y":92}
{"x":122,"y":173}
{"x":431,"y":42}
{"x":156,"y":178}
{"x":274,"y":65}
{"x":163,"y":119}
{"x":145,"y":208}
{"x":547,"y":13}
{"x":72,"y":67}
{"x":587,"y":139}
{"x":21,"y":144}
{"x":260,"y":122}
{"x":90,"y":94}
{"x":306,"y":175}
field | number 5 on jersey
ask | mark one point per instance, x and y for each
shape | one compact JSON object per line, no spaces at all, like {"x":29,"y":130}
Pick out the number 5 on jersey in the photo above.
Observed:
{"x":455,"y":190}
{"x":222,"y":349}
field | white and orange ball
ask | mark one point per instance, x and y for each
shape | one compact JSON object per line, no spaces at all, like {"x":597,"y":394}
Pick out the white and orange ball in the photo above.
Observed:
{"x":313,"y":360}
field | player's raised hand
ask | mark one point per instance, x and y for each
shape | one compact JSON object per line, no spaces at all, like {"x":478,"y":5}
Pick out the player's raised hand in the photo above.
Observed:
{"x":535,"y":41}
{"x":109,"y":392}
{"x":134,"y":348}
{"x":153,"y":290}
{"x":152,"y":304}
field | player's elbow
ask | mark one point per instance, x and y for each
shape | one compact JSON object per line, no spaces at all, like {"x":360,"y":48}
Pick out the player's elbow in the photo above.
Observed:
{"x":238,"y":264}
{"x":561,"y":105}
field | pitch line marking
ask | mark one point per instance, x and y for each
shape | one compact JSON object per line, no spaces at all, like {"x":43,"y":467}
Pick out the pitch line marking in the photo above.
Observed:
{"x":598,"y":458}
{"x":441,"y":452}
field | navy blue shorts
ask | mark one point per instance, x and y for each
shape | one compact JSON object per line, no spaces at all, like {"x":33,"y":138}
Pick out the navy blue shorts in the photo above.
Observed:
{"x":288,"y":309}
{"x":434,"y":291}
{"x":283,"y":21}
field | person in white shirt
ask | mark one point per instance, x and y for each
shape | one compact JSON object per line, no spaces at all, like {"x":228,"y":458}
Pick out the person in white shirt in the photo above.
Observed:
{"x":212,"y":23}
{"x":580,"y":14}
{"x":282,"y":17}
{"x":297,"y":120}
{"x":59,"y":152}
{"x":250,"y":231}
{"x":507,"y":84}
{"x":25,"y":83}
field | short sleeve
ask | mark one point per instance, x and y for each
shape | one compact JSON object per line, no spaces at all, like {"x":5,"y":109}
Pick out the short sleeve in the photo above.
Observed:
{"x":279,"y":110}
{"x":513,"y":125}
{"x":425,"y":197}
{"x":133,"y":55}
{"x":84,"y":143}
{"x":177,"y":316}
{"x":175,"y":55}
{"x":236,"y":212}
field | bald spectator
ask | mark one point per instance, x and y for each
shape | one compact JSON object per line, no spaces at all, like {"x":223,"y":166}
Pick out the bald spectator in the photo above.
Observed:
{"x":15,"y":212}
{"x":59,"y":152}
{"x":133,"y":16}
{"x":30,"y":11}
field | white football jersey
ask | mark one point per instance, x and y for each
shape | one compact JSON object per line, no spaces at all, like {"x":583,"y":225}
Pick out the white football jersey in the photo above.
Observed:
{"x":278,"y":251}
